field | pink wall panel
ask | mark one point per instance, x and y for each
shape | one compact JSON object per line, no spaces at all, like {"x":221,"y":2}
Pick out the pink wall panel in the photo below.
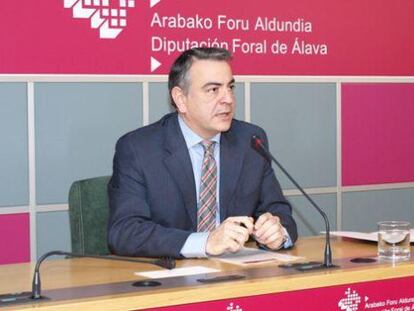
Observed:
{"x":14,"y":238}
{"x":377,"y":133}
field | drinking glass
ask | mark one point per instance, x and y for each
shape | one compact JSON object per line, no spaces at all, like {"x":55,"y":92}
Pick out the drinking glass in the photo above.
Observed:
{"x":394,"y":240}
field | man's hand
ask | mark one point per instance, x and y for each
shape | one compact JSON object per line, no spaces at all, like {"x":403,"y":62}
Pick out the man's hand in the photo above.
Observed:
{"x":268,"y":231}
{"x":230,"y":235}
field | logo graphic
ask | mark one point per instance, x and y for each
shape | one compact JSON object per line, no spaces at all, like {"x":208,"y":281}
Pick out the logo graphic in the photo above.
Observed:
{"x":110,"y":16}
{"x":232,"y":308}
{"x":351,"y":301}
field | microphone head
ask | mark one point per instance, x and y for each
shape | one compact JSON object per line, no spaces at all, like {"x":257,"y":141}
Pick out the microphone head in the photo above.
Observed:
{"x":256,"y":142}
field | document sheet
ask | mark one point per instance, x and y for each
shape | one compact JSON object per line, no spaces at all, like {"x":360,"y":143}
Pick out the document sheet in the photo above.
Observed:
{"x":370,"y":236}
{"x":248,"y":256}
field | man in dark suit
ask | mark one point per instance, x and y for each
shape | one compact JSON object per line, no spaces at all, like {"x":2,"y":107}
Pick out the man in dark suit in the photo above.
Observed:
{"x":191,"y":185}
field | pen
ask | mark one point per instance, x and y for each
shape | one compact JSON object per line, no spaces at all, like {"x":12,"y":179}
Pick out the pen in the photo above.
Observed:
{"x":8,"y":299}
{"x":259,"y":260}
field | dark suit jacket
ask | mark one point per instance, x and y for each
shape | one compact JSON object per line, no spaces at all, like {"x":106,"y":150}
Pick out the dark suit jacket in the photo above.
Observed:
{"x":153,"y":204}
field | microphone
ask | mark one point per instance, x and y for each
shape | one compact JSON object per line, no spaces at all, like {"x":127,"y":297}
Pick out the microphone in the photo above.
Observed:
{"x":163,"y":262}
{"x":257,"y":144}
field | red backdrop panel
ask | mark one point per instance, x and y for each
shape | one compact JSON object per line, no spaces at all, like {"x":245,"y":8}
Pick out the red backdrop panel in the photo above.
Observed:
{"x":14,"y":238}
{"x":385,"y":295}
{"x":370,"y":37}
{"x":377,"y":133}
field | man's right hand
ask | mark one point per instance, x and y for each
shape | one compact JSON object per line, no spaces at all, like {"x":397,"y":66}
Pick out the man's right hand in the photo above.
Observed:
{"x":230,"y":236}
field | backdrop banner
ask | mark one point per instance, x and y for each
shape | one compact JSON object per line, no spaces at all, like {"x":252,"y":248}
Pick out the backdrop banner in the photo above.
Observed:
{"x":267,"y":37}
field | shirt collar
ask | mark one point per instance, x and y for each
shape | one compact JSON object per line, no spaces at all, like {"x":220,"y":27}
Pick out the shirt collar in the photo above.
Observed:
{"x":191,"y":138}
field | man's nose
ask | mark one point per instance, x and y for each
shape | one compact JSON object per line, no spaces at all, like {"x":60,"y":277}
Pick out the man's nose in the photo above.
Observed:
{"x":227,"y":96}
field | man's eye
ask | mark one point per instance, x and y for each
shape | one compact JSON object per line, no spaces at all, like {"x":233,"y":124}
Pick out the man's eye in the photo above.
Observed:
{"x":212,"y":90}
{"x":232,"y":87}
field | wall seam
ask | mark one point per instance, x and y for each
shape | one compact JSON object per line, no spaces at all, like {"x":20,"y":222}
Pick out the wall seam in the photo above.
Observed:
{"x":5,"y":210}
{"x":43,"y":208}
{"x":339,"y":210}
{"x":145,"y":103}
{"x":32,"y":168}
{"x":247,"y":102}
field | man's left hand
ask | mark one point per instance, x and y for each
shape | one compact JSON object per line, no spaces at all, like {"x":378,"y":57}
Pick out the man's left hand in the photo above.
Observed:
{"x":269,"y":231}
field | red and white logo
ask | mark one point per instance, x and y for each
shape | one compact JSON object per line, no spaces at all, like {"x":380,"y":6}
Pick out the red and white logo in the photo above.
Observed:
{"x":109,"y":16}
{"x":232,"y":307}
{"x":351,"y":301}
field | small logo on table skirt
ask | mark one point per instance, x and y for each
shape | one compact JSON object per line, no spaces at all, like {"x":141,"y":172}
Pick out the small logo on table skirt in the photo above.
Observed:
{"x":231,"y":307}
{"x":351,"y":301}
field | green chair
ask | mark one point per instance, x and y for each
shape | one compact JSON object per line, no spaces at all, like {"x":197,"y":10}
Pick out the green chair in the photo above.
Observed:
{"x":88,"y":214}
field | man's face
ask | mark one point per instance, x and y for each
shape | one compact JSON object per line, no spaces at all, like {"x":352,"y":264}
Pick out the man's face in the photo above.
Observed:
{"x":208,"y":105}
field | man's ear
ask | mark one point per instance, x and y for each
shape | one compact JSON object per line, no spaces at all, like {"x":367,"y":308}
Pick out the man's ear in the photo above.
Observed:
{"x":179,"y":98}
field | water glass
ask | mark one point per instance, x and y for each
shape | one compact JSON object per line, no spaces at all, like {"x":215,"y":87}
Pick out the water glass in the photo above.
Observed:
{"x":394,"y":240}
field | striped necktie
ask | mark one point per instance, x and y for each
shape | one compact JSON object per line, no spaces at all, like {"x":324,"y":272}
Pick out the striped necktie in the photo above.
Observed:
{"x":206,"y":214}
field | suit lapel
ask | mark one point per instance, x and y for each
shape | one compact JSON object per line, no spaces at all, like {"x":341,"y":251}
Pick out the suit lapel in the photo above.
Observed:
{"x":178,"y":162}
{"x":231,"y":160}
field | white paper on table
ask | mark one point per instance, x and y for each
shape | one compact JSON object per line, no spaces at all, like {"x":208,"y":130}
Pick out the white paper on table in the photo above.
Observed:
{"x":371,"y":236}
{"x":248,"y":256}
{"x":158,"y":274}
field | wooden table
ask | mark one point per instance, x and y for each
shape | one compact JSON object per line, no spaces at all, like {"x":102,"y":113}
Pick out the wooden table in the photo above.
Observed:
{"x":92,"y":284}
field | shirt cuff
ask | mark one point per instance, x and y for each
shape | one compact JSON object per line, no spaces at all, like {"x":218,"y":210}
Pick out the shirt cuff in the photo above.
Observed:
{"x":195,"y":245}
{"x":288,"y":241}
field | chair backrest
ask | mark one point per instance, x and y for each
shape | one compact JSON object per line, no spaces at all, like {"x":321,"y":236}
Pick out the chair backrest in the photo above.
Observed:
{"x":88,"y":213}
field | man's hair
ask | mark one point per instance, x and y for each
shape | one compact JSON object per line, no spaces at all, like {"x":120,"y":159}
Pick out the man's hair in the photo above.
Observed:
{"x":178,"y":75}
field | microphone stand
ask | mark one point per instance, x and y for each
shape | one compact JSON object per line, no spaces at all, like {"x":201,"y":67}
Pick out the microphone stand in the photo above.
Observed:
{"x":167,"y":263}
{"x":327,"y":262}
{"x":35,"y":294}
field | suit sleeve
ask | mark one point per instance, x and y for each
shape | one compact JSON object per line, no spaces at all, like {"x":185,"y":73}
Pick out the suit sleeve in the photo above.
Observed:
{"x":272,"y":199}
{"x":131,"y":231}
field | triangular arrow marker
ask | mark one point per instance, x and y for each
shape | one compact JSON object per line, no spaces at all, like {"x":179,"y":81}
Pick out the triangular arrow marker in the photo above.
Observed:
{"x":154,"y":64}
{"x":153,"y":2}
